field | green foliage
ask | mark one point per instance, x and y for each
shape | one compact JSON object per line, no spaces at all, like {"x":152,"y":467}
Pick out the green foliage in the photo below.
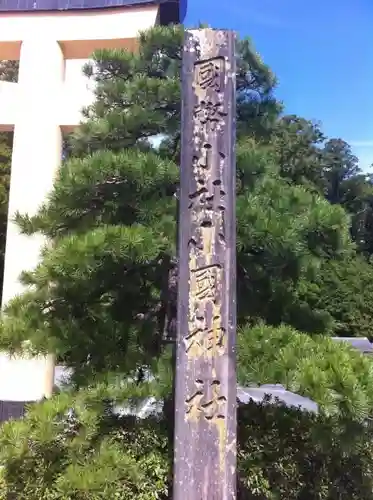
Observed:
{"x":89,"y":454}
{"x":286,"y":453}
{"x":112,"y":218}
{"x":123,"y":188}
{"x":106,"y":289}
{"x":73,"y":448}
{"x":296,"y":144}
{"x":340,"y":167}
{"x":285,"y":233}
{"x":126,"y":199}
{"x":334,"y":375}
{"x":344,"y":290}
{"x":257,"y":107}
{"x":99,"y":297}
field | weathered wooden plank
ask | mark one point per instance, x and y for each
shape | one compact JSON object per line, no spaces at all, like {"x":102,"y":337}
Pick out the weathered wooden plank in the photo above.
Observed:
{"x":205,"y":415}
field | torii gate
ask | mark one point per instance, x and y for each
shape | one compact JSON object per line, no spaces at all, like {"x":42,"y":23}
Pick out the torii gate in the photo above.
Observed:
{"x":51,"y":43}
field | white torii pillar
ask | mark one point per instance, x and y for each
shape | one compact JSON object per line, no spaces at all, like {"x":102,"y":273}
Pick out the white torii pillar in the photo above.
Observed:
{"x":46,"y":100}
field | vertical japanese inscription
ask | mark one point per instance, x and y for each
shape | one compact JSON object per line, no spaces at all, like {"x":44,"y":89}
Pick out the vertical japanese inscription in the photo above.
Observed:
{"x":205,"y":371}
{"x":206,"y":335}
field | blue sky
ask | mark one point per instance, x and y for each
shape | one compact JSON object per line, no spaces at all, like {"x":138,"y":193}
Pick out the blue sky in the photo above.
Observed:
{"x":321,"y":52}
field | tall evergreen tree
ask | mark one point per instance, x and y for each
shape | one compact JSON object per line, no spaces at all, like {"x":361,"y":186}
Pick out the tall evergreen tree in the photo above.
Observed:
{"x":347,"y":185}
{"x":111,"y":218}
{"x":297,"y":144}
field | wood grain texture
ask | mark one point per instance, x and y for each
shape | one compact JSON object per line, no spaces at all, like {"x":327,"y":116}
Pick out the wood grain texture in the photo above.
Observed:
{"x":205,"y":415}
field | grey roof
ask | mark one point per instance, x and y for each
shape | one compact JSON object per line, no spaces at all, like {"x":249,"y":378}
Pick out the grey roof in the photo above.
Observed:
{"x":275,"y":392}
{"x":360,"y":343}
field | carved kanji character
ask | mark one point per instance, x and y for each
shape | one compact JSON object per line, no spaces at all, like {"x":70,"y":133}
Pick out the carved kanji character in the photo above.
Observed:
{"x":209,"y":74}
{"x":208,"y":341}
{"x":206,"y":401}
{"x":210,"y":113}
{"x":205,"y":281}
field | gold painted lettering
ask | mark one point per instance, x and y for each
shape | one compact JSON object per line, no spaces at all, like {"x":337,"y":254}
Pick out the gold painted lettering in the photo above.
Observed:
{"x":206,"y":402}
{"x":206,"y":342}
{"x":204,"y":282}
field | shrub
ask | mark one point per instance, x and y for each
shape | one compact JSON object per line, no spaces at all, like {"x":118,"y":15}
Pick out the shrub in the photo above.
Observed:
{"x":288,"y":454}
{"x":334,"y":375}
{"x":57,"y":454}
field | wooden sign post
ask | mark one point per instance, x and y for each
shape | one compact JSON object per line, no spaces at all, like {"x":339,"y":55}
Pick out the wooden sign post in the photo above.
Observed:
{"x":205,"y":409}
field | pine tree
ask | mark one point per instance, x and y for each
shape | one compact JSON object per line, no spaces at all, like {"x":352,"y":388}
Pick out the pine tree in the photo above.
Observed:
{"x":103,"y":294}
{"x":297,"y":145}
{"x":100,"y":297}
{"x":114,"y":202}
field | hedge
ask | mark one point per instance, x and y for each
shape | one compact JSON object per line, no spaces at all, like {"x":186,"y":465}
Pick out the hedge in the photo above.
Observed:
{"x":56,"y":454}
